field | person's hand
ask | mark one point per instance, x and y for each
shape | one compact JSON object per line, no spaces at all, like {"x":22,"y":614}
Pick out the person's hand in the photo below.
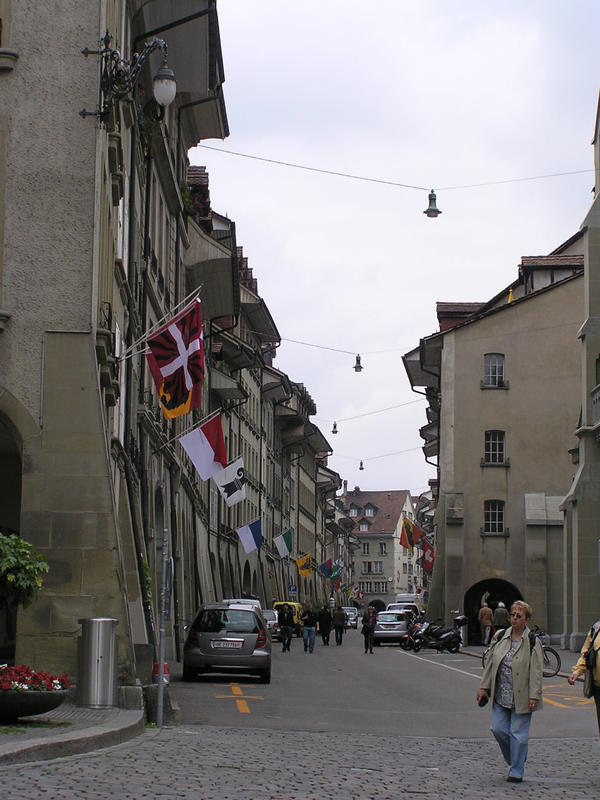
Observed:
{"x":481,"y":694}
{"x":532,"y":704}
{"x":571,"y":679}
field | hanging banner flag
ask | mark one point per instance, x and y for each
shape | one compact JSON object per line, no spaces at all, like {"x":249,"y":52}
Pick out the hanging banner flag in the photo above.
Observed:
{"x":336,"y":570}
{"x":231,"y":482}
{"x":325,"y":568}
{"x":428,"y":556}
{"x":304,"y":565}
{"x":337,"y":584}
{"x":250,"y":535}
{"x":283,"y":543}
{"x":176,"y":361}
{"x":410,"y":534}
{"x":206,"y":448}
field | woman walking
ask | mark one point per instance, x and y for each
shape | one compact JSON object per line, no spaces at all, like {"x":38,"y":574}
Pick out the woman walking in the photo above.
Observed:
{"x":592,"y":640}
{"x":513,"y":679}
{"x":369,"y":621}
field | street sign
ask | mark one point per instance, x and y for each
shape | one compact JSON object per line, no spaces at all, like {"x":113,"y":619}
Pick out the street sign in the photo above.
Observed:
{"x":292,"y":589}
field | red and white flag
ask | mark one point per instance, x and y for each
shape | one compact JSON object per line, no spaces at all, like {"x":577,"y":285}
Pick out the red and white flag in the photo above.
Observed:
{"x":428,"y":556}
{"x":176,"y":361}
{"x":206,"y":448}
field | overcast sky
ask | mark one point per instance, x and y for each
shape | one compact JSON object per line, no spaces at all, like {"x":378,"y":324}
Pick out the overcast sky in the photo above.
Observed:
{"x":437,"y":94}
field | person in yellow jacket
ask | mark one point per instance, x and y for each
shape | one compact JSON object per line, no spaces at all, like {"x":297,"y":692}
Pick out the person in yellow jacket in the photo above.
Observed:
{"x":513,"y":680}
{"x":592,"y":639}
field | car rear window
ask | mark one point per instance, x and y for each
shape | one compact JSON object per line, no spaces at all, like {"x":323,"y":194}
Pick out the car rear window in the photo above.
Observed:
{"x":391,"y":616}
{"x":270,"y":615}
{"x":226,"y":621}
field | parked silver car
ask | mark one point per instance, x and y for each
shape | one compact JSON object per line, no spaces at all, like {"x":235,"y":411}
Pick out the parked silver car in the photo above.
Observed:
{"x":390,"y":626}
{"x":270,"y":617}
{"x":351,"y":616}
{"x":227,"y":638}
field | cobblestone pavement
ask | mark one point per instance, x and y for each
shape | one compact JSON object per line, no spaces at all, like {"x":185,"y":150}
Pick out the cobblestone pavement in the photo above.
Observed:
{"x":234,"y":764}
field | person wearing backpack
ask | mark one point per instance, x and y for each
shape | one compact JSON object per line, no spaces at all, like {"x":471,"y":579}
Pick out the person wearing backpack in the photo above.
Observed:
{"x":512,"y":678}
{"x":590,"y":659}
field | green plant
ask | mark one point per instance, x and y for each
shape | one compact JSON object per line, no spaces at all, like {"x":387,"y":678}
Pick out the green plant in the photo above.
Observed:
{"x":147,"y":580}
{"x":186,"y":197}
{"x":21,"y":570}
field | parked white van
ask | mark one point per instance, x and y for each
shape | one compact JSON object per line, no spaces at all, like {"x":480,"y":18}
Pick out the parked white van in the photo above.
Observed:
{"x":408,"y":597}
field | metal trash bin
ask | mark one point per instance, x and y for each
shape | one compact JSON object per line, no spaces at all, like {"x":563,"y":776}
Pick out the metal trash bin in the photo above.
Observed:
{"x":97,"y":674}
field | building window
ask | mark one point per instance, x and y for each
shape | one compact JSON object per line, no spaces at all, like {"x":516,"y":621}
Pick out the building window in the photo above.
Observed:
{"x":494,"y":447}
{"x":378,"y":567}
{"x":404,"y":551}
{"x":493,"y":369}
{"x":365,"y":548}
{"x":369,"y":511}
{"x":353,"y":512}
{"x":364,"y":526}
{"x":410,"y":569}
{"x":404,"y":568}
{"x":493,"y":512}
{"x":365,"y":586}
{"x":382,"y":549}
{"x":366,"y":567}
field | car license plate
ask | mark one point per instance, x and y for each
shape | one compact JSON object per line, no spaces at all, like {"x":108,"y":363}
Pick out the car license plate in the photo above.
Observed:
{"x":227,"y":644}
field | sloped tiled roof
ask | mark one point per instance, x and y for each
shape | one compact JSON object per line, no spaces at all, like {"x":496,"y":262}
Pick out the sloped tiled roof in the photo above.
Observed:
{"x":388,"y":506}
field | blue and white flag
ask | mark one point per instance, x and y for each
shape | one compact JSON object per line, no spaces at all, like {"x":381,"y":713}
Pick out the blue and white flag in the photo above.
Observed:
{"x":251,"y":535}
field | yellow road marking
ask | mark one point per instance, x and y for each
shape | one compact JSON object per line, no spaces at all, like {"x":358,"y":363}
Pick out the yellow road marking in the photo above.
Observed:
{"x":235,"y":689}
{"x":234,"y":697}
{"x":554,"y":703}
{"x":242,"y":706}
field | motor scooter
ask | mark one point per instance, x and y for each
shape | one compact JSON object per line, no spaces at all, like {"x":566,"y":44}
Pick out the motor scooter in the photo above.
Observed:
{"x":440,"y":638}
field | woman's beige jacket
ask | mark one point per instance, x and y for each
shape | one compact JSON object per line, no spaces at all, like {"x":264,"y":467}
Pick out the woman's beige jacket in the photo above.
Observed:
{"x":527,"y":670}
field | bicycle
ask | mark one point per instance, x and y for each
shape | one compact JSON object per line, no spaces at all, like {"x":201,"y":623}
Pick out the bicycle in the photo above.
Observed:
{"x":552,"y":662}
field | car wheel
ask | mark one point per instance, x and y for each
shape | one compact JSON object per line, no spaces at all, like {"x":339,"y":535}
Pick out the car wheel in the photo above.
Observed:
{"x":265,"y":677}
{"x":189,"y":674}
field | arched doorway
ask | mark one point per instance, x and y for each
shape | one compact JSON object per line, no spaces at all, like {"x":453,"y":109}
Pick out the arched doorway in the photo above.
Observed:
{"x":491,"y":591}
{"x":254,"y":584}
{"x":10,"y":522}
{"x":377,"y":604}
{"x":247,"y":580}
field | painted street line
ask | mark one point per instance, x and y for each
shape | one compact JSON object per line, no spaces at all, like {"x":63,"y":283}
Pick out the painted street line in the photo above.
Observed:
{"x":446,"y":666}
{"x":239,"y":697}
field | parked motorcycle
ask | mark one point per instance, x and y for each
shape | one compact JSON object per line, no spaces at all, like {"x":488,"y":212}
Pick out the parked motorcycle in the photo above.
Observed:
{"x":407,"y":642}
{"x":440,"y":637}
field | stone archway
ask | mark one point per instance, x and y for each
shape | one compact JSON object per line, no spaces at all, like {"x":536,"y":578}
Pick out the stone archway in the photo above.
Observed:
{"x":492,"y":591}
{"x":377,"y":604}
{"x":11,"y":472}
{"x":247,"y":580}
{"x":254,"y":584}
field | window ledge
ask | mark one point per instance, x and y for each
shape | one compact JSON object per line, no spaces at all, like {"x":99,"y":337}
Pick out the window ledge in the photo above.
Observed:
{"x":505,"y":463}
{"x":504,"y":385}
{"x":485,"y":534}
{"x":7,"y":59}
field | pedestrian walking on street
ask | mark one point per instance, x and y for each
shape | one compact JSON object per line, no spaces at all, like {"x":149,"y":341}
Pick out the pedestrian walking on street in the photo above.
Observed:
{"x":485,"y":618}
{"x":501,"y":617}
{"x":285,"y":617}
{"x":339,"y":624}
{"x":513,"y":679}
{"x":325,"y":624}
{"x":591,"y":645}
{"x":309,"y":618}
{"x":369,"y":621}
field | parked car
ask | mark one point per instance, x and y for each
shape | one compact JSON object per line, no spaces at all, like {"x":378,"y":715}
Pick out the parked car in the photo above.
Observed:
{"x":412,"y":607}
{"x":270,"y":617}
{"x":244,"y":601}
{"x":227,"y":637}
{"x":351,"y":616}
{"x":297,"y":611}
{"x":391,"y":626}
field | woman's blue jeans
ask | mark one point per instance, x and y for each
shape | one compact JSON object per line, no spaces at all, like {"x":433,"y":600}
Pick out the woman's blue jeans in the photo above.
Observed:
{"x":511,"y":731}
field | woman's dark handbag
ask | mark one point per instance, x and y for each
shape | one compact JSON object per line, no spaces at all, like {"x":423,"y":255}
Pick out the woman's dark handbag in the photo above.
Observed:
{"x":590,"y":663}
{"x":484,"y":701}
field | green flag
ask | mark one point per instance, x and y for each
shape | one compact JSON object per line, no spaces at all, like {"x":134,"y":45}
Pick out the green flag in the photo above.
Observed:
{"x":283,"y":543}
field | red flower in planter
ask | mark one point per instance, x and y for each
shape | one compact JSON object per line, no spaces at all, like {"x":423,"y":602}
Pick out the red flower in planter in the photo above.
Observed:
{"x":22,"y":679}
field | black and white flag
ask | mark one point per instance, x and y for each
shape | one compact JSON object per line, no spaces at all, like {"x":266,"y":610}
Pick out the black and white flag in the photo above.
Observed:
{"x":231,"y":482}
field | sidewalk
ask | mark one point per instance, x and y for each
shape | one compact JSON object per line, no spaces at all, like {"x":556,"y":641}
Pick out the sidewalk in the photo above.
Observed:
{"x":66,"y":731}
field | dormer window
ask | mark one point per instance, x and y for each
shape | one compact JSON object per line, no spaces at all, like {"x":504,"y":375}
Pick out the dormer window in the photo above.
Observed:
{"x":369,"y":511}
{"x":353,"y":512}
{"x":364,"y":526}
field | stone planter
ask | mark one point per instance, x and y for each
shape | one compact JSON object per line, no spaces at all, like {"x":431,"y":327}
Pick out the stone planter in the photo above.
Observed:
{"x":14,"y":705}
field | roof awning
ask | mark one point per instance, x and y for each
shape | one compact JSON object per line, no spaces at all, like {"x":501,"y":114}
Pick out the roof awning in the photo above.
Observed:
{"x":225,"y":386}
{"x":276,"y":385}
{"x":211,"y":265}
{"x":431,"y":448}
{"x":259,"y":317}
{"x":234,"y":351}
{"x":429,"y":432}
{"x":416,"y":375}
{"x":316,"y":439}
{"x":194,"y":55}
